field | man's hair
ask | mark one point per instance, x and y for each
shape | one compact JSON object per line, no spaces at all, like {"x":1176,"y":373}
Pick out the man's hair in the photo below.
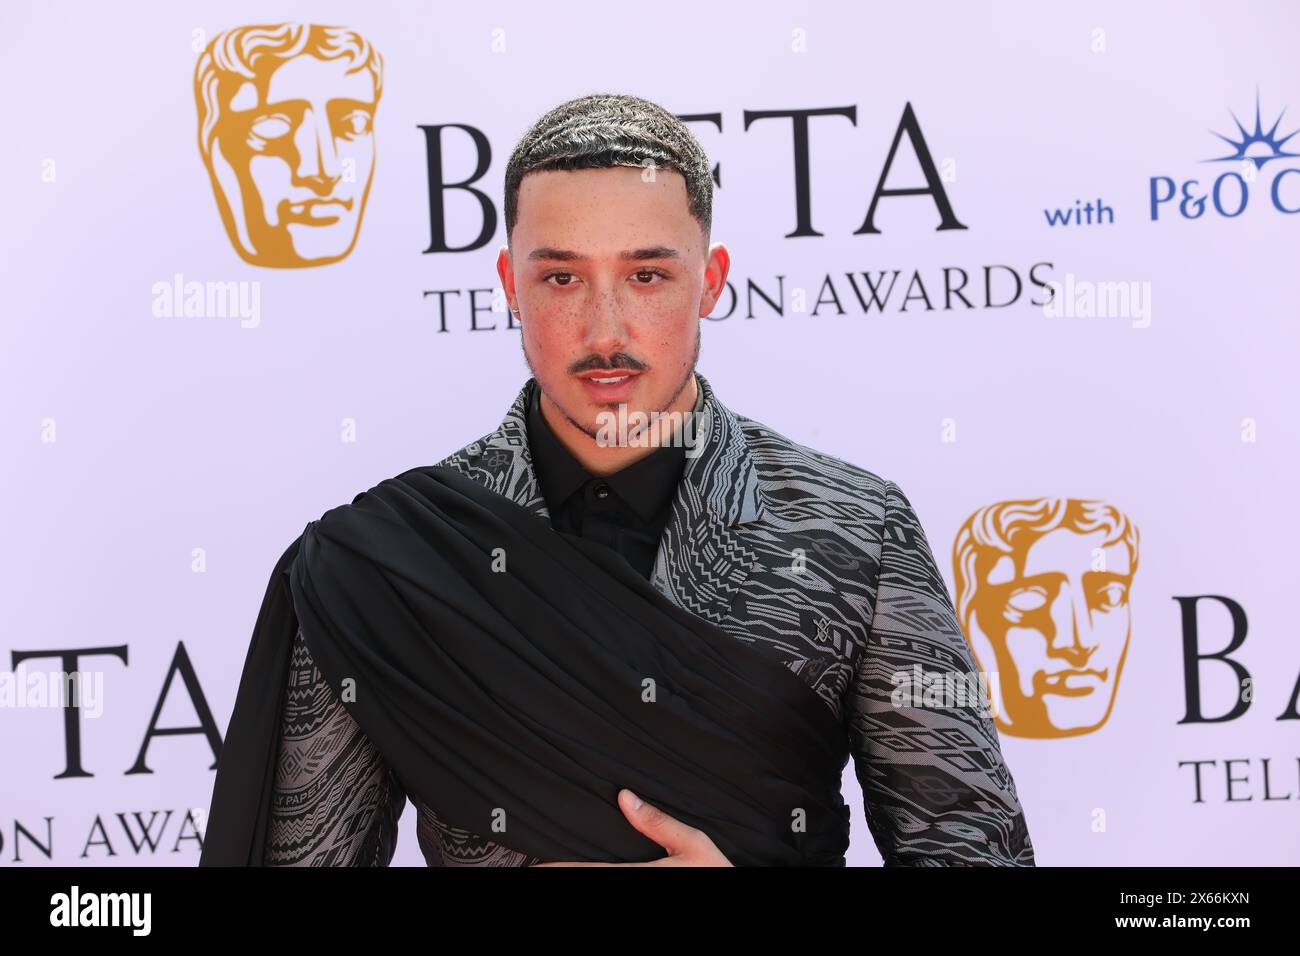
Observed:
{"x":603,"y":130}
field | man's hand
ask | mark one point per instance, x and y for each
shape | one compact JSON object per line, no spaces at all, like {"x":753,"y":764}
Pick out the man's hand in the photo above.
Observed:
{"x":686,"y":845}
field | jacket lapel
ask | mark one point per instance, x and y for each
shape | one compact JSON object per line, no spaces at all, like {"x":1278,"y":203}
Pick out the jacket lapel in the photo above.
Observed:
{"x":702,"y":560}
{"x":502,"y":460}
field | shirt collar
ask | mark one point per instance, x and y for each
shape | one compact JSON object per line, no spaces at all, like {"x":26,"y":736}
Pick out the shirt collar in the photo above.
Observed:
{"x":647,"y":484}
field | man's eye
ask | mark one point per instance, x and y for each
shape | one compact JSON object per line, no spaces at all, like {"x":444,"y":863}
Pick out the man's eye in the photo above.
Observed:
{"x":558,"y":275}
{"x":649,"y":274}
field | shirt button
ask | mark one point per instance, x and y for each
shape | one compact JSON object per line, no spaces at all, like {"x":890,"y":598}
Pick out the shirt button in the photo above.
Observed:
{"x":602,"y":491}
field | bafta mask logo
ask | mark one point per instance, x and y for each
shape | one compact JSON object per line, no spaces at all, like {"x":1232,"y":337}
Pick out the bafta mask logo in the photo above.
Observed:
{"x":1043,"y":595}
{"x":286,"y":129}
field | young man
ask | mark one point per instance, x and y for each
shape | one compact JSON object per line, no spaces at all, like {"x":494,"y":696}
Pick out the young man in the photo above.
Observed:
{"x":765,"y":560}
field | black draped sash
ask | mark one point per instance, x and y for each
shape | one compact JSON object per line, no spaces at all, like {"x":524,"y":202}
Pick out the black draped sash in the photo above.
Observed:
{"x":515,"y":678}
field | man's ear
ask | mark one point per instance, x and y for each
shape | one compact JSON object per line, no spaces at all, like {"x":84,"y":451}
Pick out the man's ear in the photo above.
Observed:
{"x":506,"y":271}
{"x":716,"y":267}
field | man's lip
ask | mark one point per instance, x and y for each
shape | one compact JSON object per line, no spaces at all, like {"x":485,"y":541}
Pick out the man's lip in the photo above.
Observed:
{"x":611,"y":373}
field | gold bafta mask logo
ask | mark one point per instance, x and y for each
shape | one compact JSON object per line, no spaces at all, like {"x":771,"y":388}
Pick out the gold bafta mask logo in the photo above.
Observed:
{"x":1043,"y":596}
{"x":286,"y":129}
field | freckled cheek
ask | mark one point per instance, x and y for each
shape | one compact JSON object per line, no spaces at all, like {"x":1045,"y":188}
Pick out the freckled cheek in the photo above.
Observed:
{"x":550,"y":329}
{"x":659,"y":321}
{"x":555,"y":321}
{"x":668,"y":310}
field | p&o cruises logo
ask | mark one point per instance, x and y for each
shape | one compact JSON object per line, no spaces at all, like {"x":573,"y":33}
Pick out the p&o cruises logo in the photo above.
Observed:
{"x":1230,"y":192}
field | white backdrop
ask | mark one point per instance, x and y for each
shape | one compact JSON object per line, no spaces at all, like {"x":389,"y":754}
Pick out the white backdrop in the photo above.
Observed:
{"x":159,"y":464}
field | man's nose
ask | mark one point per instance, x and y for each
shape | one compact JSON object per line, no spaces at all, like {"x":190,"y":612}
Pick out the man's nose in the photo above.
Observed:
{"x":606,"y":331}
{"x":318,"y":166}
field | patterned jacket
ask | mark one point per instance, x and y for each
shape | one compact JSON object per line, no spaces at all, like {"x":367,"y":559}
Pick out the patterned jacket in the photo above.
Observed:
{"x":814,"y":561}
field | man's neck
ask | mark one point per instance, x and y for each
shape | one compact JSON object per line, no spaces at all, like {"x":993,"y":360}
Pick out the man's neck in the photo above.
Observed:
{"x":607,"y":459}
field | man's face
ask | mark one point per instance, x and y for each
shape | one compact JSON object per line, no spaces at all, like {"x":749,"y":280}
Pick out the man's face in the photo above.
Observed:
{"x":609,"y":272}
{"x":1059,"y":631}
{"x":293,"y":163}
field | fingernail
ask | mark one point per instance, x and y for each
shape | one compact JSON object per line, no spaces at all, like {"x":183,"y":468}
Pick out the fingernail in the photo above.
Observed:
{"x":634,"y":800}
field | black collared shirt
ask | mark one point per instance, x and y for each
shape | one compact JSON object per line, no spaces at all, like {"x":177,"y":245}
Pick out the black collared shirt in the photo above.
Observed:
{"x":626,"y":511}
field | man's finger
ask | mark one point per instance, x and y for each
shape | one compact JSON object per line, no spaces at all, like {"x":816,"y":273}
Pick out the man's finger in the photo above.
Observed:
{"x":670,"y":833}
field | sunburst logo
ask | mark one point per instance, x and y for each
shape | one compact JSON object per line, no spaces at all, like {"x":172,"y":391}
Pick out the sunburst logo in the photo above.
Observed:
{"x":1255,"y":145}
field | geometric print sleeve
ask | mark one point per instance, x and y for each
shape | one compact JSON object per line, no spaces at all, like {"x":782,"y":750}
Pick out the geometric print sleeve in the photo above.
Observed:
{"x":335,"y":802}
{"x":936,"y":790}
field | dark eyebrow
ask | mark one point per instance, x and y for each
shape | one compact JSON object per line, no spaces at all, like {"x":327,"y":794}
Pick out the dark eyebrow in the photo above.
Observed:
{"x":653,"y":252}
{"x":634,"y":255}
